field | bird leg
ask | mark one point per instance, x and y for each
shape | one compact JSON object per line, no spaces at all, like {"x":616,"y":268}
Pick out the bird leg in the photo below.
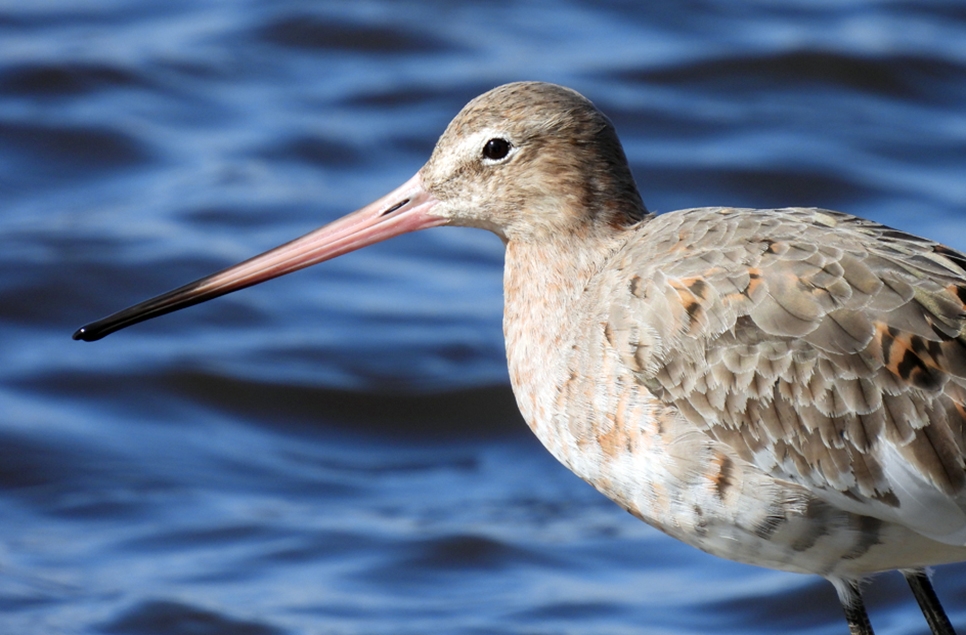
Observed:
{"x":851,"y":599}
{"x":928,"y":602}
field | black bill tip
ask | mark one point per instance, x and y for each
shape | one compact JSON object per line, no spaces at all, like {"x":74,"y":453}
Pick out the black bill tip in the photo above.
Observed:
{"x":86,"y":334}
{"x":165,"y":303}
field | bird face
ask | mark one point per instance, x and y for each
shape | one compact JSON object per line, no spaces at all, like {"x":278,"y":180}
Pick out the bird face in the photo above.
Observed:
{"x":529,"y":161}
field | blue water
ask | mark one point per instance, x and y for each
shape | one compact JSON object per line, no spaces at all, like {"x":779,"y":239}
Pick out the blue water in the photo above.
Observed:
{"x":337,"y":452}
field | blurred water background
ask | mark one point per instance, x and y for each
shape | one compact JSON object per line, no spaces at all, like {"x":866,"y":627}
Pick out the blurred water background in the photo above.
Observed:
{"x":338,"y":451}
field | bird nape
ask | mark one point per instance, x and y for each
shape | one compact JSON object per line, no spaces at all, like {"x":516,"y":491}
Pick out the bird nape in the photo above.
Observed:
{"x":781,"y":387}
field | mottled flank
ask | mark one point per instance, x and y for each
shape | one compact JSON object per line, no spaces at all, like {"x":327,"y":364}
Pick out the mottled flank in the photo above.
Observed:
{"x":817,"y":350}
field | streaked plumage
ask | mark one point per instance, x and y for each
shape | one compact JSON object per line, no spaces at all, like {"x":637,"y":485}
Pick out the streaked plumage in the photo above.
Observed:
{"x":780,"y":387}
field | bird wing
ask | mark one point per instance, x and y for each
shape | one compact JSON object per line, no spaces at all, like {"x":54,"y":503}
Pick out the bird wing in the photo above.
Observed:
{"x":825,"y":349}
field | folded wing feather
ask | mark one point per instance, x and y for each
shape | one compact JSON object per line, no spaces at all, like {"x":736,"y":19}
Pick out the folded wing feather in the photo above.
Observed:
{"x":825,"y":349}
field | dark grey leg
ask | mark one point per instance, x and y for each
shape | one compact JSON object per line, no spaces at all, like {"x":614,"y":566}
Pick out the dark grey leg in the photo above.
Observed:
{"x":928,"y":602}
{"x":851,"y":600}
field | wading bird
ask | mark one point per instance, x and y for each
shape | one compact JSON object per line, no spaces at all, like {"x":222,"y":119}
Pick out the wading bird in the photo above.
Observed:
{"x":781,"y":387}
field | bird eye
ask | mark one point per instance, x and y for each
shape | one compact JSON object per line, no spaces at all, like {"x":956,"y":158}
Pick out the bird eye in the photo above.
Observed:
{"x":496,"y":149}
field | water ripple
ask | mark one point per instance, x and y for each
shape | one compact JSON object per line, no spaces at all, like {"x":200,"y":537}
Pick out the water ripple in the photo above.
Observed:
{"x":339,"y":451}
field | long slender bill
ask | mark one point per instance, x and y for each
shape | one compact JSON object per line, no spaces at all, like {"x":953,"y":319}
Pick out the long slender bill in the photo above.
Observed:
{"x":405,"y":209}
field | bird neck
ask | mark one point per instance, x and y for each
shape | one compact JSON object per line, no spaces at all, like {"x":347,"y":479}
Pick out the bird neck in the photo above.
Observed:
{"x":544,"y":285}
